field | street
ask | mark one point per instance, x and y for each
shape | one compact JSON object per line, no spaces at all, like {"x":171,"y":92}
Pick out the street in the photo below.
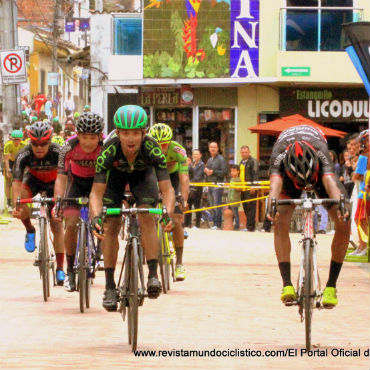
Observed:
{"x":230,"y":300}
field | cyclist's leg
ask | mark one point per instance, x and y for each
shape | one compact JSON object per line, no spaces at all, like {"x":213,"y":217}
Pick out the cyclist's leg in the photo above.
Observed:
{"x":143,"y":185}
{"x":71,"y":216}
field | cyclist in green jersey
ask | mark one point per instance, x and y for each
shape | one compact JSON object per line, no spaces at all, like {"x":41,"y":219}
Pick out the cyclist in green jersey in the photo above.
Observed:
{"x":179,"y":174}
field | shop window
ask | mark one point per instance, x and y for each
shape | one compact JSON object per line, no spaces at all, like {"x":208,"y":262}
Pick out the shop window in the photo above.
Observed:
{"x":181,"y":121}
{"x":217,"y":125}
{"x":128,"y":35}
{"x":316,"y":25}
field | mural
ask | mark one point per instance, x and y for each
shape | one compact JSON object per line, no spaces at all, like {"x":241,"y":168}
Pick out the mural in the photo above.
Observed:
{"x":186,"y":38}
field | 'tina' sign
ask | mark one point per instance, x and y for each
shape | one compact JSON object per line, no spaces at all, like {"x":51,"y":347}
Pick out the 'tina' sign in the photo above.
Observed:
{"x":244,"y":38}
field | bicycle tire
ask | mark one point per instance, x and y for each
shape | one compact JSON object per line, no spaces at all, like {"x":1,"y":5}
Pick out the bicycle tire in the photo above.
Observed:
{"x":133,"y":306}
{"x":82,"y":267}
{"x":89,"y":272}
{"x":162,"y":258}
{"x":308,"y":297}
{"x":44,"y":261}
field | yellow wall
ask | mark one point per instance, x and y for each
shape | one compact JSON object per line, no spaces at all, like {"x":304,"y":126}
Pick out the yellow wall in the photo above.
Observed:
{"x":34,"y":74}
{"x":251,"y":101}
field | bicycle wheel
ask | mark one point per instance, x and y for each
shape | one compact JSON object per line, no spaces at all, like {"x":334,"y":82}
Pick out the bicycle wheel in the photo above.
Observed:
{"x":162,"y":258}
{"x":308,"y":296}
{"x":133,"y":304}
{"x":44,"y":260}
{"x":89,"y":270}
{"x":82,"y":266}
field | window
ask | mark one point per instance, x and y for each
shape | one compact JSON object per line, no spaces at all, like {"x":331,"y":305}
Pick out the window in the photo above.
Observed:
{"x":128,"y":36}
{"x":316,"y":25}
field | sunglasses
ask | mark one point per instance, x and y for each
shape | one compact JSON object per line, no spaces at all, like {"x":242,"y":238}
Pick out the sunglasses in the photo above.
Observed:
{"x":41,"y":145}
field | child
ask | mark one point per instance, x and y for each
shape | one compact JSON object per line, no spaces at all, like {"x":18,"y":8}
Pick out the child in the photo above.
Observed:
{"x":234,"y":194}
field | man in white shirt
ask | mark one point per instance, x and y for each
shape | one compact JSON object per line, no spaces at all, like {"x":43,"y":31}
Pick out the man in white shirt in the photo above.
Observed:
{"x":69,"y":105}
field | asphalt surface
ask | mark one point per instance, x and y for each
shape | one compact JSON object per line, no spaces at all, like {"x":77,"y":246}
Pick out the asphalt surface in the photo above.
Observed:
{"x":228,"y":302}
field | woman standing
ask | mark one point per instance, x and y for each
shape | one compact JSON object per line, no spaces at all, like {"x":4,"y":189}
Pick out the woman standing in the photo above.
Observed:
{"x":196,"y":174}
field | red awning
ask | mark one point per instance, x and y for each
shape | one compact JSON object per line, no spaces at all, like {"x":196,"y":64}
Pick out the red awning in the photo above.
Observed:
{"x":275,"y":127}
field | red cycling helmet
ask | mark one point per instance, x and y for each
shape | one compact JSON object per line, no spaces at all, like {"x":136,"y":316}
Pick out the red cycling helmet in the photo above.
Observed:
{"x":302,"y":165}
{"x":40,"y":131}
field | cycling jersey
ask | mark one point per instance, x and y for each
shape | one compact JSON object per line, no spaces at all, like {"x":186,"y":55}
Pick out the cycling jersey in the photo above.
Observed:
{"x":42,"y":169}
{"x":112,"y":159}
{"x":176,"y":158}
{"x":12,"y":150}
{"x":73,"y":159}
{"x":311,"y":135}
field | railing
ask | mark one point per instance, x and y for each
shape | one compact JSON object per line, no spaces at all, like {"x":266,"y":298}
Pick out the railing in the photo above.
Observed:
{"x":310,"y":29}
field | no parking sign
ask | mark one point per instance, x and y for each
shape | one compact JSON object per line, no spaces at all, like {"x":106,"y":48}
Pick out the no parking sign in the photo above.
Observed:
{"x":13,"y":67}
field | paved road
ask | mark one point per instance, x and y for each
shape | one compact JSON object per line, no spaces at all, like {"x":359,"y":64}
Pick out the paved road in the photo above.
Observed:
{"x":230,"y":300}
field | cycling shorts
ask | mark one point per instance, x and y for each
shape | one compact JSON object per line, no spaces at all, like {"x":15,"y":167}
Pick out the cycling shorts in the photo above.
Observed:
{"x":175,"y":182}
{"x":34,"y":186}
{"x":76,"y":187}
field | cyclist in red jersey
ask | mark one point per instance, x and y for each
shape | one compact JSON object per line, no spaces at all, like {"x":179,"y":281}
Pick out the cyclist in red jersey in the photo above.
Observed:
{"x":300,"y":161}
{"x":40,"y":157}
{"x":76,"y":170}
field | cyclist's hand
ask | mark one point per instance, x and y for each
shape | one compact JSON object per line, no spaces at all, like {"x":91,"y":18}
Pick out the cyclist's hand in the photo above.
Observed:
{"x":185,"y":206}
{"x":345,"y":217}
{"x":55,"y":216}
{"x":9,"y":174}
{"x":272,"y":219}
{"x":17,"y":213}
{"x":97,"y":228}
{"x":168,"y":227}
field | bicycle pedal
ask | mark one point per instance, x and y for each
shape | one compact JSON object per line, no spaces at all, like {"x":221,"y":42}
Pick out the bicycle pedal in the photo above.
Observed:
{"x":36,"y":263}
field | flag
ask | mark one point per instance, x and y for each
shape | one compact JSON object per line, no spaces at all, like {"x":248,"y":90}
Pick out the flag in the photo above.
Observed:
{"x":358,"y":49}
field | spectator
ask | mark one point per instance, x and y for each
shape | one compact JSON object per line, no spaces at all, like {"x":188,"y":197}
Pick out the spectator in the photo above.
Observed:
{"x":346,"y":174}
{"x":196,"y":174}
{"x":40,"y":100}
{"x":234,"y":194}
{"x":69,"y":105}
{"x":216,"y":171}
{"x":69,"y":125}
{"x":248,"y":173}
{"x":86,"y":108}
{"x":334,"y":159}
{"x":48,"y":108}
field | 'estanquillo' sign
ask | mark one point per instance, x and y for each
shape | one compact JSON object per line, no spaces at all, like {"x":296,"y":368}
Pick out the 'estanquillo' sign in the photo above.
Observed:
{"x":326,"y":105}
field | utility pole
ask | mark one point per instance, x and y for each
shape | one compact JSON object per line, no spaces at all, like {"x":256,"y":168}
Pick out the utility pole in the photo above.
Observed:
{"x":55,"y":44}
{"x":11,"y":96}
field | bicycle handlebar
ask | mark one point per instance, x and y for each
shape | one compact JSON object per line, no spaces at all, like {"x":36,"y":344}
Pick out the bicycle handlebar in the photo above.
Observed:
{"x":20,"y":201}
{"x":131,"y":211}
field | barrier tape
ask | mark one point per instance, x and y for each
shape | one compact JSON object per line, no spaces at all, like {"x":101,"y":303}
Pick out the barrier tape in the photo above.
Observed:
{"x":225,"y":205}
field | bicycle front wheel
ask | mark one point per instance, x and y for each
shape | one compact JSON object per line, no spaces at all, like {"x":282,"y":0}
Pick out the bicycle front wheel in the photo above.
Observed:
{"x":163,"y":267}
{"x":44,"y":260}
{"x":133,"y":302}
{"x":82,"y":266}
{"x":308,"y":294}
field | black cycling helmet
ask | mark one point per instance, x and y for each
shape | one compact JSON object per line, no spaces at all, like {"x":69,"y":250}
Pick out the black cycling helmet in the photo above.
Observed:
{"x":40,"y":131}
{"x":302,"y":164}
{"x":363,"y":138}
{"x":90,"y":123}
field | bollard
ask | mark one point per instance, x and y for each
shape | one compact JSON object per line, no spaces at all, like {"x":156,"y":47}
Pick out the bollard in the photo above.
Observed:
{"x":228,"y":219}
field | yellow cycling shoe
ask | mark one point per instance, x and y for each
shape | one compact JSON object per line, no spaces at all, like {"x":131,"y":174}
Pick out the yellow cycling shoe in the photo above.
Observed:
{"x":288,"y":294}
{"x":180,"y":273}
{"x":329,"y":297}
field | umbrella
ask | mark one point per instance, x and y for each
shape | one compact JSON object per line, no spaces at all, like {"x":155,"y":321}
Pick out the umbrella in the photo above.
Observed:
{"x":274,"y":128}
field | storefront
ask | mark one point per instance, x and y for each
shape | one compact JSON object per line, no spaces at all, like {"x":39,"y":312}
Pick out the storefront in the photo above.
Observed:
{"x":196,"y":116}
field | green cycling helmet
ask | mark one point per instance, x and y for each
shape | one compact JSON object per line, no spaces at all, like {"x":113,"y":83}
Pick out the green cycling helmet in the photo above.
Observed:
{"x":17,"y":134}
{"x":130,"y":117}
{"x":76,"y":115}
{"x":56,"y":119}
{"x":24,"y":113}
{"x":34,"y":119}
{"x":161,"y":132}
{"x":58,"y":140}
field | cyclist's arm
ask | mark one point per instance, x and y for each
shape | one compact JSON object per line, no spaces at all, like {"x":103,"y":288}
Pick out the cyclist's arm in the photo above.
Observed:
{"x":96,"y":198}
{"x":168,"y":194}
{"x":60,"y":185}
{"x":16,"y":190}
{"x":276,"y":185}
{"x":6,"y":161}
{"x":331,"y":186}
{"x":184,"y":185}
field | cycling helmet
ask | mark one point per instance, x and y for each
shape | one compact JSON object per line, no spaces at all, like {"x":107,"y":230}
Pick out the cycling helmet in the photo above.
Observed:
{"x":87,"y":107}
{"x":363,"y":138}
{"x":55,"y":119}
{"x":17,"y":134}
{"x":161,"y":132}
{"x":302,"y":164}
{"x":34,"y":119}
{"x":58,"y":140}
{"x":90,"y":123}
{"x":130,"y":117}
{"x":40,"y":131}
{"x":24,"y":113}
{"x":76,"y":115}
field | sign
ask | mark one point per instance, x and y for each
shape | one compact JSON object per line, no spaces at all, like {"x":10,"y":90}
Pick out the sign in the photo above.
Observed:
{"x":53,"y":78}
{"x":26,"y":51}
{"x":70,"y":26}
{"x":187,"y":95}
{"x":325,"y":105}
{"x":296,"y":71}
{"x":244,"y":38}
{"x":13,"y":67}
{"x":160,"y":97}
{"x":82,"y":24}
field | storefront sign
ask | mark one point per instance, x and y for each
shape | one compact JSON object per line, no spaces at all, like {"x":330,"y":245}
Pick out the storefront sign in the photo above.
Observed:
{"x":326,"y":105}
{"x":244,"y":38}
{"x":160,"y":97}
{"x":295,"y":71}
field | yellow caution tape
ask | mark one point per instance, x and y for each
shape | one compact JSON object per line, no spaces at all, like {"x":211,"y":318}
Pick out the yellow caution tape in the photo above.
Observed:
{"x":224,"y":205}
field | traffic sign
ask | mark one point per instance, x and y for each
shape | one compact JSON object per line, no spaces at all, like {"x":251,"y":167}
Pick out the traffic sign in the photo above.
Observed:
{"x":13,"y":67}
{"x":296,"y":71}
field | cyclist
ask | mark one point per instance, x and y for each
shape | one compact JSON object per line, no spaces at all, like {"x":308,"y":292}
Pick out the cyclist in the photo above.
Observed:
{"x":130,"y":156}
{"x":300,"y":161}
{"x":76,"y":170}
{"x":40,"y":158}
{"x":179,"y":174}
{"x":11,"y":148}
{"x":86,"y":108}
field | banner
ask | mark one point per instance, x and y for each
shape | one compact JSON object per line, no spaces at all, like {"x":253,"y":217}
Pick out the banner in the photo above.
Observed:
{"x":358,"y":49}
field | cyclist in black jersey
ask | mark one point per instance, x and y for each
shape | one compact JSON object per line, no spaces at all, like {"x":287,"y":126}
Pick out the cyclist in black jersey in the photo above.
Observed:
{"x":131,"y":157}
{"x":300,"y":161}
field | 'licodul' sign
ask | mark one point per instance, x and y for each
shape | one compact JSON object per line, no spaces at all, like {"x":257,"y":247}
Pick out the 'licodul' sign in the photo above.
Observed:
{"x":244,"y":38}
